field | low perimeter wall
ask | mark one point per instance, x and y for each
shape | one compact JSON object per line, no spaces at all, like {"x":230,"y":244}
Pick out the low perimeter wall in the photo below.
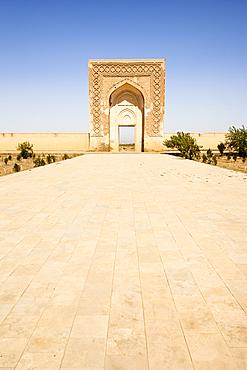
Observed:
{"x":81,"y":142}
{"x":206,"y":140}
{"x":47,"y":142}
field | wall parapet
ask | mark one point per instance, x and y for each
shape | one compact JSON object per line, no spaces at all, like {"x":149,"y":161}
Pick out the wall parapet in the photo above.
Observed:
{"x":79,"y":142}
{"x":46,"y":141}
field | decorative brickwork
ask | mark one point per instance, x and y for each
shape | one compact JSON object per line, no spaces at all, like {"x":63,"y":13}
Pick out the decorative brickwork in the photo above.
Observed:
{"x":150,"y":74}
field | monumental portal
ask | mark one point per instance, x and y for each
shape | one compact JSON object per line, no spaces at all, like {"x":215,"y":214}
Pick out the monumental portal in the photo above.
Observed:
{"x":125,"y":93}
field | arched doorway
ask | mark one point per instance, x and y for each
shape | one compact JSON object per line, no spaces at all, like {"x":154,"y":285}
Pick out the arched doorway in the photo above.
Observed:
{"x":126,"y":110}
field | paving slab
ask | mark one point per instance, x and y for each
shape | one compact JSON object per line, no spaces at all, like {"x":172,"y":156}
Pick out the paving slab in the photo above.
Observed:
{"x":123,"y":262}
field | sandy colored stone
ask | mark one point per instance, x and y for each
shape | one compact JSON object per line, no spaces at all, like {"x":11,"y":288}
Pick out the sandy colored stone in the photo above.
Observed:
{"x":90,"y":326}
{"x":200,"y":321}
{"x":18,"y":326}
{"x":155,"y":292}
{"x":184,"y":287}
{"x":48,"y":339}
{"x":159,"y":310}
{"x":169,"y":356}
{"x":57,"y":316}
{"x":209,"y":349}
{"x":82,"y":368}
{"x":126,"y":362}
{"x":29,"y":306}
{"x":102,"y":289}
{"x":39,"y":290}
{"x":11,"y":350}
{"x":234,"y":332}
{"x":39,"y":361}
{"x":126,"y":342}
{"x":62,"y":297}
{"x":5,"y":309}
{"x":94,"y":306}
{"x":130,"y":92}
{"x":240,"y":356}
{"x":80,"y":274}
{"x":185,"y":302}
{"x":24,"y":270}
{"x":84,"y":353}
{"x":164,"y":331}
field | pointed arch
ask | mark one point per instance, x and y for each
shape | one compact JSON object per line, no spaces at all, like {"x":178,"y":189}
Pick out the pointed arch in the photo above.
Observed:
{"x":123,"y":82}
{"x":126,"y":97}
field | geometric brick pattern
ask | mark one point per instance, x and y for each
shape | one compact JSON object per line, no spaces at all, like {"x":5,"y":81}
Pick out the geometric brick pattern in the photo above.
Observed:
{"x":128,"y":69}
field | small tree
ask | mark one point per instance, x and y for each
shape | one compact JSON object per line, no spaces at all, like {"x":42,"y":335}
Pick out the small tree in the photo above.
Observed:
{"x":209,"y":153}
{"x":6,"y":160}
{"x":221,"y":147}
{"x":26,"y":149}
{"x":236,"y":139}
{"x":65,"y":156}
{"x":186,"y":145}
{"x":214,"y":159}
{"x":204,"y":158}
{"x":16,"y":167}
{"x":49,"y":159}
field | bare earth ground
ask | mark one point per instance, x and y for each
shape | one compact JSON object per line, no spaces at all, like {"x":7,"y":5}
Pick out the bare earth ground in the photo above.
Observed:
{"x":123,"y":262}
{"x":237,"y":165}
{"x":25,"y":164}
{"x":126,"y":147}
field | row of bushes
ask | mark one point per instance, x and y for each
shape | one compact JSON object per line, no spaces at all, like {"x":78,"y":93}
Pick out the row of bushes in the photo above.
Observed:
{"x":26,"y":151}
{"x":234,"y":155}
{"x":209,"y":158}
{"x":235,"y":143}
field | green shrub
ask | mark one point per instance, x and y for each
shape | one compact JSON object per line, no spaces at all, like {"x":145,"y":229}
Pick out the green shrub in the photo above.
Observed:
{"x":214,"y":159}
{"x":18,"y":157}
{"x":65,"y":156}
{"x":48,"y":158}
{"x":236,"y":139}
{"x":204,"y":158}
{"x":221,"y":147}
{"x":185,"y":144}
{"x":209,"y":153}
{"x":39,"y":162}
{"x":26,"y":149}
{"x":10,"y":157}
{"x":6,"y":160}
{"x":16,"y":167}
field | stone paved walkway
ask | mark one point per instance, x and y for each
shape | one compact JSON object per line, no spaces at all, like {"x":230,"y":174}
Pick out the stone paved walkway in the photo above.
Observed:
{"x":124,"y":262}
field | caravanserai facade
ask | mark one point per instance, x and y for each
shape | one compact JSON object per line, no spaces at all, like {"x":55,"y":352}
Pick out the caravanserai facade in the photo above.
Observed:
{"x":125,"y":93}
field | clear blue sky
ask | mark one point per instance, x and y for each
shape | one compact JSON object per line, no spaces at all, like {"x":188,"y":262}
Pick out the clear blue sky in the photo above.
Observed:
{"x":45,"y":46}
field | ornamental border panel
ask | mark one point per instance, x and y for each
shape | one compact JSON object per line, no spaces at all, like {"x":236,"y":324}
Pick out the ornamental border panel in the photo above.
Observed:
{"x":127,"y":69}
